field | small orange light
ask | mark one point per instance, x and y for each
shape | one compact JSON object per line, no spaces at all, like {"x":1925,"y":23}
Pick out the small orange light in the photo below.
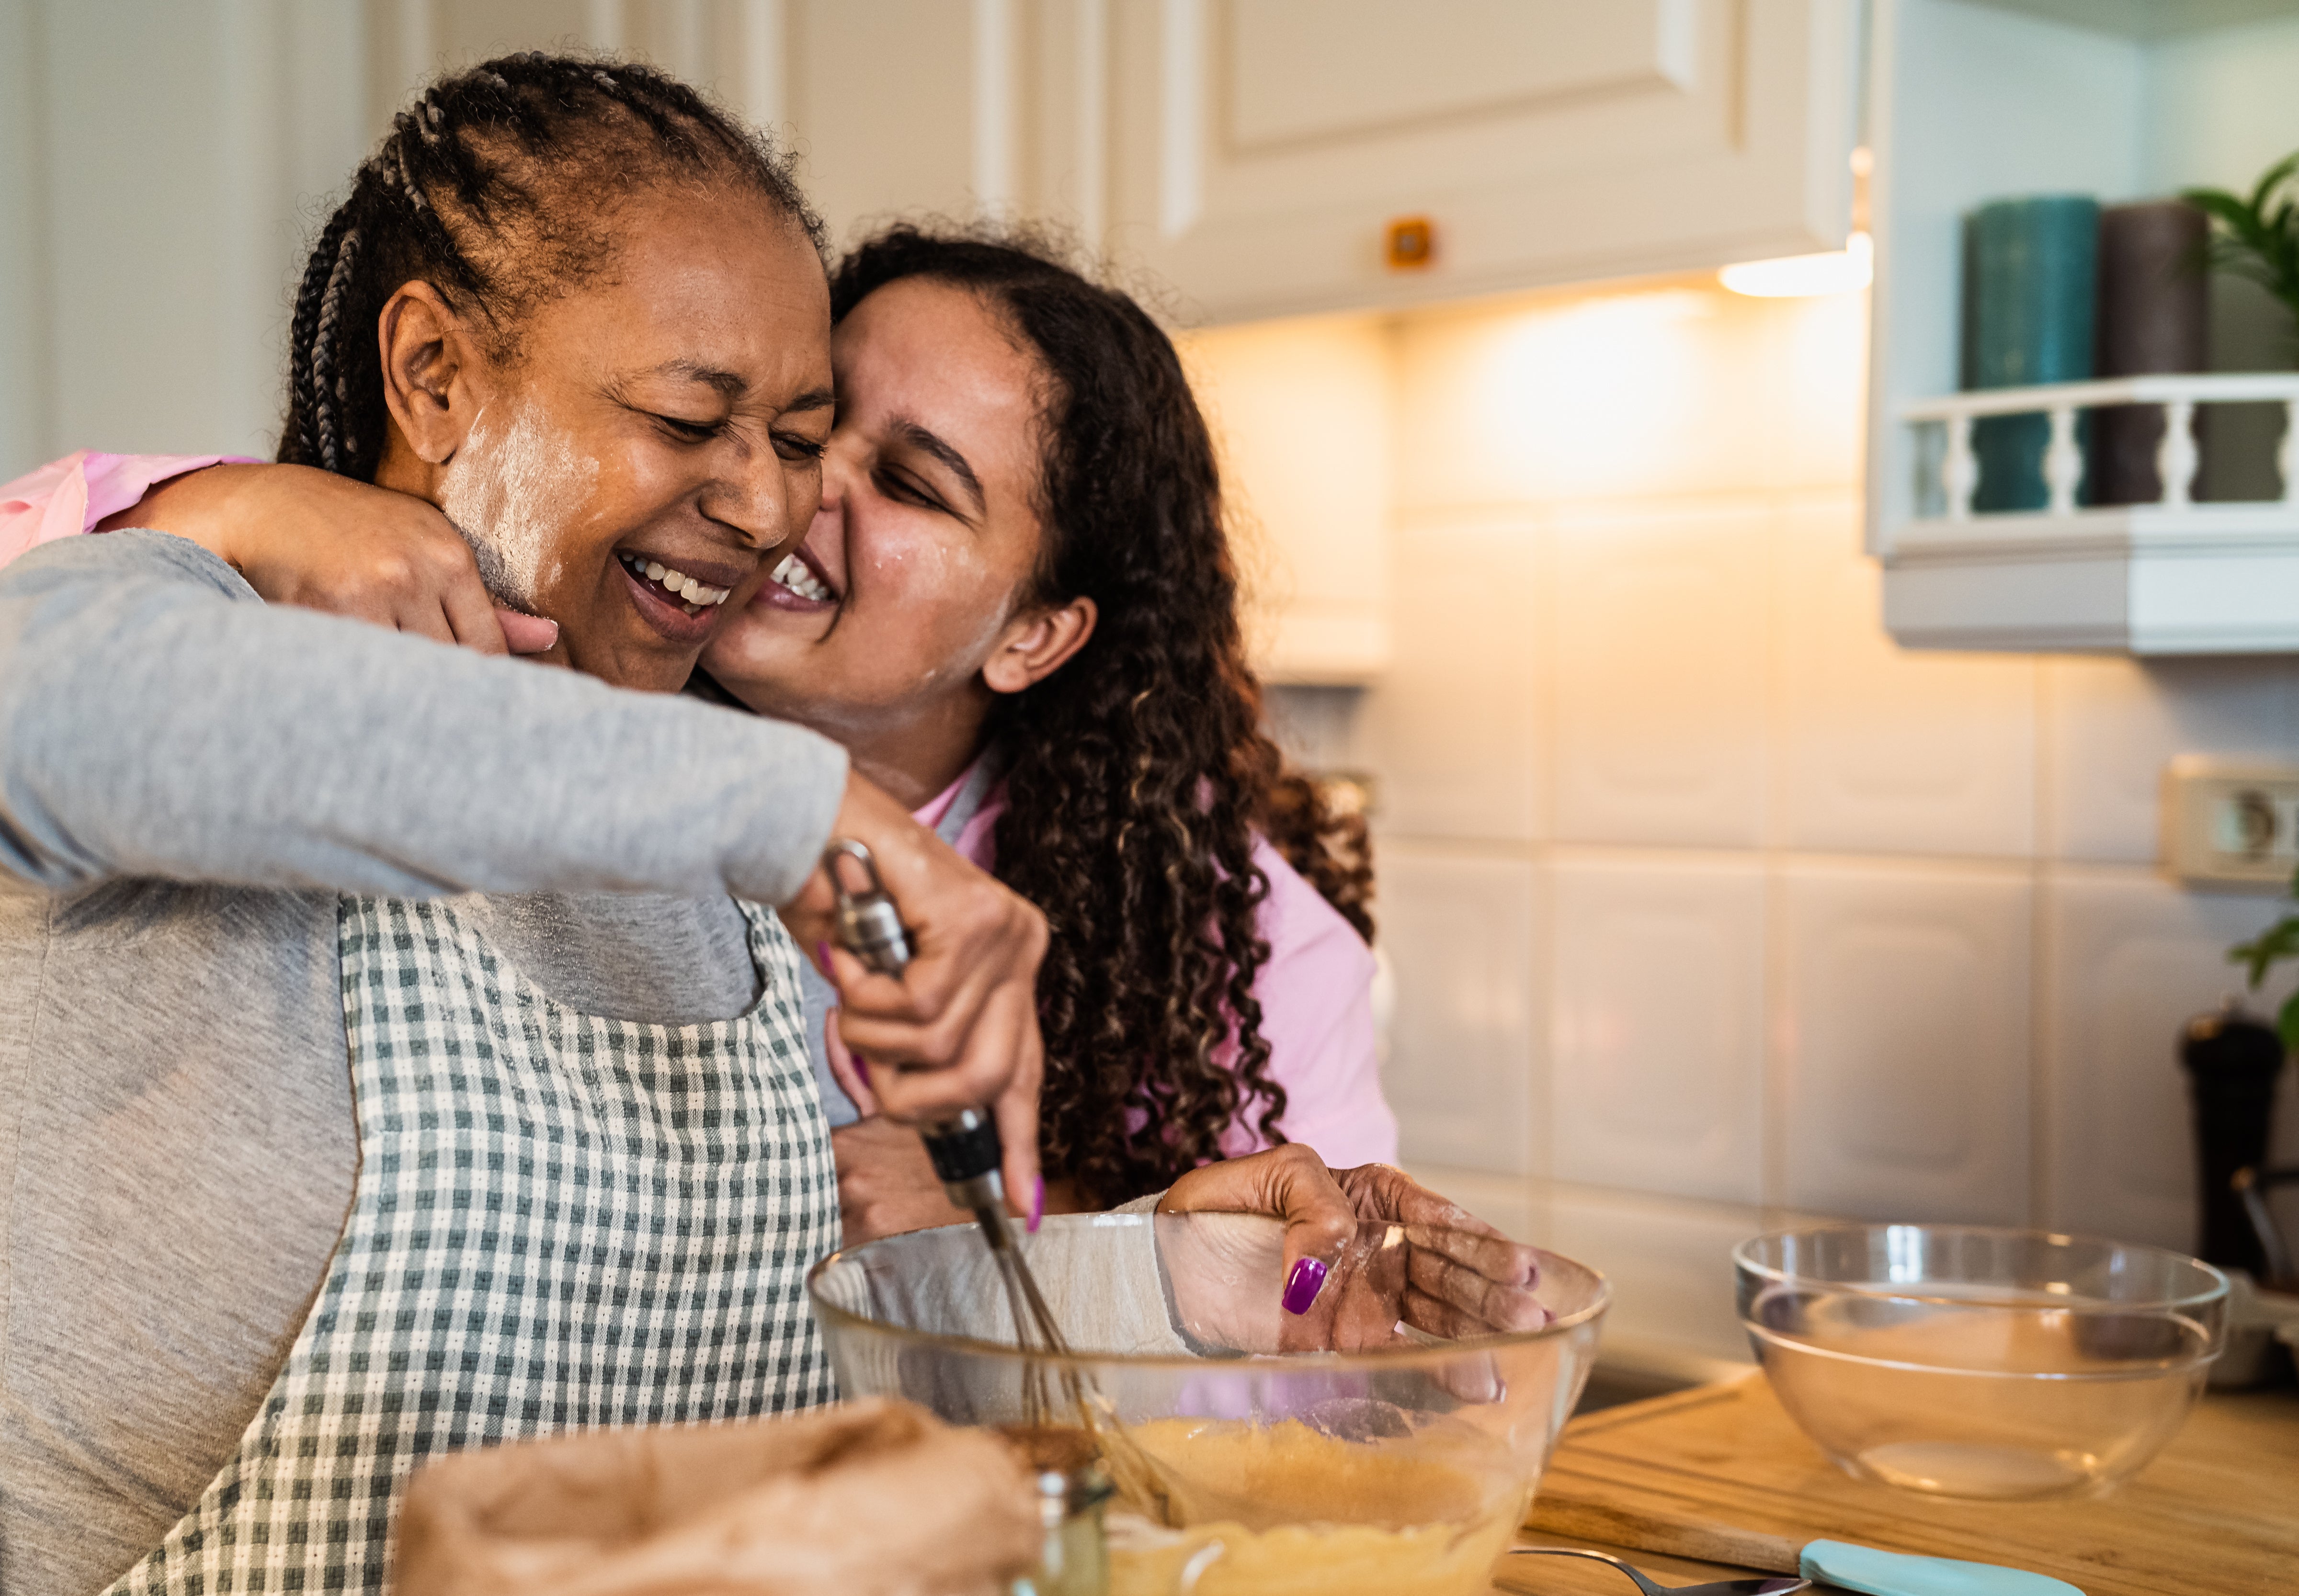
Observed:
{"x":1412,"y":243}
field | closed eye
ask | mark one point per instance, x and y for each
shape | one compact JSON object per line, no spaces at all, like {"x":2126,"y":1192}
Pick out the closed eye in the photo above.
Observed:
{"x":900,"y":485}
{"x":689,"y":431}
{"x":791,"y":446}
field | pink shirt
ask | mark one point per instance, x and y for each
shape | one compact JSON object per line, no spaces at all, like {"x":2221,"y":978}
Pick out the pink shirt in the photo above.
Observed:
{"x":1316,"y":1007}
{"x":1315,"y":991}
{"x":73,"y":494}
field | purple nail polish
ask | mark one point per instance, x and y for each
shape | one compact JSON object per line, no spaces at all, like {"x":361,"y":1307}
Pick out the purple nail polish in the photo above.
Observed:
{"x":1303,"y":1284}
{"x":1038,"y":1205}
{"x":822,"y":961}
{"x":861,"y":1070}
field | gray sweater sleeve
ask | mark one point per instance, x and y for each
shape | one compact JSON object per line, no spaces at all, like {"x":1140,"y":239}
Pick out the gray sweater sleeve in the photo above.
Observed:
{"x":158,"y":720}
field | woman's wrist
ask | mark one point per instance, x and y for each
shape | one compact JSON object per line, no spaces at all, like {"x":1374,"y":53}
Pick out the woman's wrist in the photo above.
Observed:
{"x":196,"y":507}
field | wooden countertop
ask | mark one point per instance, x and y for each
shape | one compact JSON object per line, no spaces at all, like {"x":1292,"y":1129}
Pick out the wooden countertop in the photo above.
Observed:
{"x":1717,"y":1482}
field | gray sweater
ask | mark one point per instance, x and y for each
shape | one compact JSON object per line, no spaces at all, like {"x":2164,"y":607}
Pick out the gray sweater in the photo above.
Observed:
{"x":187,"y":779}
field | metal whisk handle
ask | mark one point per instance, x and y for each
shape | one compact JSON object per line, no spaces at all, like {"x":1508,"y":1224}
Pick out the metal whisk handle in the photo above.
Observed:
{"x":869,"y":926}
{"x":965,"y":1152}
{"x":964,"y":1149}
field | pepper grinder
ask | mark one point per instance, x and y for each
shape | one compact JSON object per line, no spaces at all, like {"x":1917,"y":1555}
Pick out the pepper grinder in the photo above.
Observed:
{"x":2232,"y":1060}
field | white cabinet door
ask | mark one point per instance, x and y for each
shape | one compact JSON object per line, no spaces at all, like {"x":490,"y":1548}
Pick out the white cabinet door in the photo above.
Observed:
{"x":1260,"y":147}
{"x":881,"y":100}
{"x":953,"y":110}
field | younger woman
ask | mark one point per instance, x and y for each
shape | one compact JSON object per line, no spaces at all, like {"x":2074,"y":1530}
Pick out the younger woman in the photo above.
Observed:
{"x":1018,"y":610}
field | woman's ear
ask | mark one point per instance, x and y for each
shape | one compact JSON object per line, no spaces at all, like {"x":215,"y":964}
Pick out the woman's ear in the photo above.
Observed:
{"x":431,"y":372}
{"x":1036,"y":645}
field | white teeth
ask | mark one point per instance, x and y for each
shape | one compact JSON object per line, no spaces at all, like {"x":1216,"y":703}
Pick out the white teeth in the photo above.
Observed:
{"x":794,"y":573}
{"x":677,"y":583}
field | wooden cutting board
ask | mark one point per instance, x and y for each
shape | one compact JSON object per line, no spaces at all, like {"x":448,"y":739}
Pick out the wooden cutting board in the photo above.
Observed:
{"x":1721,"y":1473}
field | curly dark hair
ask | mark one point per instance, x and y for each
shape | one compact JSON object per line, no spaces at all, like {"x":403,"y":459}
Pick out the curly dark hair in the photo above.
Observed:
{"x":499,"y":187}
{"x":1137,"y":774}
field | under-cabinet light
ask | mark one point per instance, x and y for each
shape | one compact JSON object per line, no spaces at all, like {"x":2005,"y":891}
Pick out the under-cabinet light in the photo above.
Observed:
{"x":1793,"y":277}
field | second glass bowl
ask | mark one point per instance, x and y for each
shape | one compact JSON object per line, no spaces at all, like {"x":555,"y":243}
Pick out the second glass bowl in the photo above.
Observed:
{"x":1978,"y":1362}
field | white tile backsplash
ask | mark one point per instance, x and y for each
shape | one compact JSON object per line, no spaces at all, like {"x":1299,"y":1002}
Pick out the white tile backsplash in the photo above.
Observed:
{"x":1886,"y":749}
{"x":1708,"y":903}
{"x":1455,"y":725}
{"x":1464,"y":1066}
{"x":1670,"y":1265}
{"x":2113,"y":724}
{"x":1906,"y":1027}
{"x":1656,"y":1053}
{"x":1663,"y":626}
{"x":2129,"y":959}
{"x":1662,"y":389}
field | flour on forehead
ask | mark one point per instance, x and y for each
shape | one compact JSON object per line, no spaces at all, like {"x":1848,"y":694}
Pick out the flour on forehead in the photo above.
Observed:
{"x":510,"y":490}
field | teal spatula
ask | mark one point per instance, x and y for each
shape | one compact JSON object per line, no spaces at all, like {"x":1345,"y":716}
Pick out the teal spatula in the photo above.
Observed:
{"x":1897,"y":1574}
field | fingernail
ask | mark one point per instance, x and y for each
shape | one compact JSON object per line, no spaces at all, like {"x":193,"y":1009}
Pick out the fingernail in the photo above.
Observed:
{"x":822,"y":962}
{"x":527,"y":634}
{"x":862,"y":1070}
{"x":1038,"y":1205}
{"x":1303,"y":1284}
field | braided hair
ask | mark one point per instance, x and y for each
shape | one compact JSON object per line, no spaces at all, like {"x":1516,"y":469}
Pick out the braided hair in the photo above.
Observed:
{"x":1138,"y":775}
{"x":498,"y":188}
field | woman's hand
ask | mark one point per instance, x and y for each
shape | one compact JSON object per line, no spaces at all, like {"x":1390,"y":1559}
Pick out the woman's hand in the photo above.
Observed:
{"x":885,"y":1185}
{"x":311,"y":537}
{"x":1366,"y":1250}
{"x":959,"y":1028}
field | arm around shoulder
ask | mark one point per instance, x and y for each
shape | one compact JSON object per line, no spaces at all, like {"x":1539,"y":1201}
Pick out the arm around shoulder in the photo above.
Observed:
{"x":158,"y":720}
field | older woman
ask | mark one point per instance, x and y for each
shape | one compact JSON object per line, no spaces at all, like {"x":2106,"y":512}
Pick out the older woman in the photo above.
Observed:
{"x":312,"y":1170}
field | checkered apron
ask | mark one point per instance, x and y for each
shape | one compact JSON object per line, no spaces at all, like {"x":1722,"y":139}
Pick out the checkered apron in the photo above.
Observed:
{"x":560,"y":1222}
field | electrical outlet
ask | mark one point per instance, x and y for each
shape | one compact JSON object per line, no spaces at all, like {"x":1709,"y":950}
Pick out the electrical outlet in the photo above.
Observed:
{"x":2231,"y":821}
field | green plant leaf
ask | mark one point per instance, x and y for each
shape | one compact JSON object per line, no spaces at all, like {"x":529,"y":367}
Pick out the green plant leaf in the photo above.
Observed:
{"x":2288,"y":1023}
{"x":2276,"y":943}
{"x":2272,"y":178}
{"x":2215,"y":202}
{"x":2256,"y":236}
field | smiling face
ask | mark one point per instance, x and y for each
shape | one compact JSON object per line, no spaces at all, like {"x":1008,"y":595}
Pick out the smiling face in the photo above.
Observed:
{"x":891,"y":626}
{"x":664,"y":420}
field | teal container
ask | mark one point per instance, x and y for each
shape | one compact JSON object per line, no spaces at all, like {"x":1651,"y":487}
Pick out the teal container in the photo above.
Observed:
{"x":2031,"y":290}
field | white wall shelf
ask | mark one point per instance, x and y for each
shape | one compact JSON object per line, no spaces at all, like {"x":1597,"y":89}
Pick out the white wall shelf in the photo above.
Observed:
{"x":2176,"y":576}
{"x":1978,"y":100}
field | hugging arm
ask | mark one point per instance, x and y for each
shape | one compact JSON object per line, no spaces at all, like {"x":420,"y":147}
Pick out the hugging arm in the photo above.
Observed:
{"x":158,"y":720}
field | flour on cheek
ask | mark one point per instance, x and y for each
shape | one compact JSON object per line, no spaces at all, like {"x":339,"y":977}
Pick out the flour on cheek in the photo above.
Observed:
{"x":512,"y":492}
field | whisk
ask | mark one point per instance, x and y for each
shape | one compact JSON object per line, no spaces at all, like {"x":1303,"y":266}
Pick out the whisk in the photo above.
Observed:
{"x":964,"y":1148}
{"x":966,"y":1153}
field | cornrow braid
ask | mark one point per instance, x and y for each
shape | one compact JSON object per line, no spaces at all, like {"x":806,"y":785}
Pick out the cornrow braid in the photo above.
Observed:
{"x":328,"y":393}
{"x":498,"y":187}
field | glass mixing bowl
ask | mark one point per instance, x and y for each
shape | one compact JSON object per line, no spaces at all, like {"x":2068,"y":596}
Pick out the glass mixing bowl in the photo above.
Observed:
{"x":1979,"y":1362}
{"x":1346,"y":1450}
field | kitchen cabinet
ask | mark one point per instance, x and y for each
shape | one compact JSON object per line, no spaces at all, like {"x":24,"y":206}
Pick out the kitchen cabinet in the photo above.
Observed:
{"x":1248,"y":155}
{"x":1259,"y":148}
{"x":1974,"y":102}
{"x":1300,"y":408}
{"x":949,"y":109}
